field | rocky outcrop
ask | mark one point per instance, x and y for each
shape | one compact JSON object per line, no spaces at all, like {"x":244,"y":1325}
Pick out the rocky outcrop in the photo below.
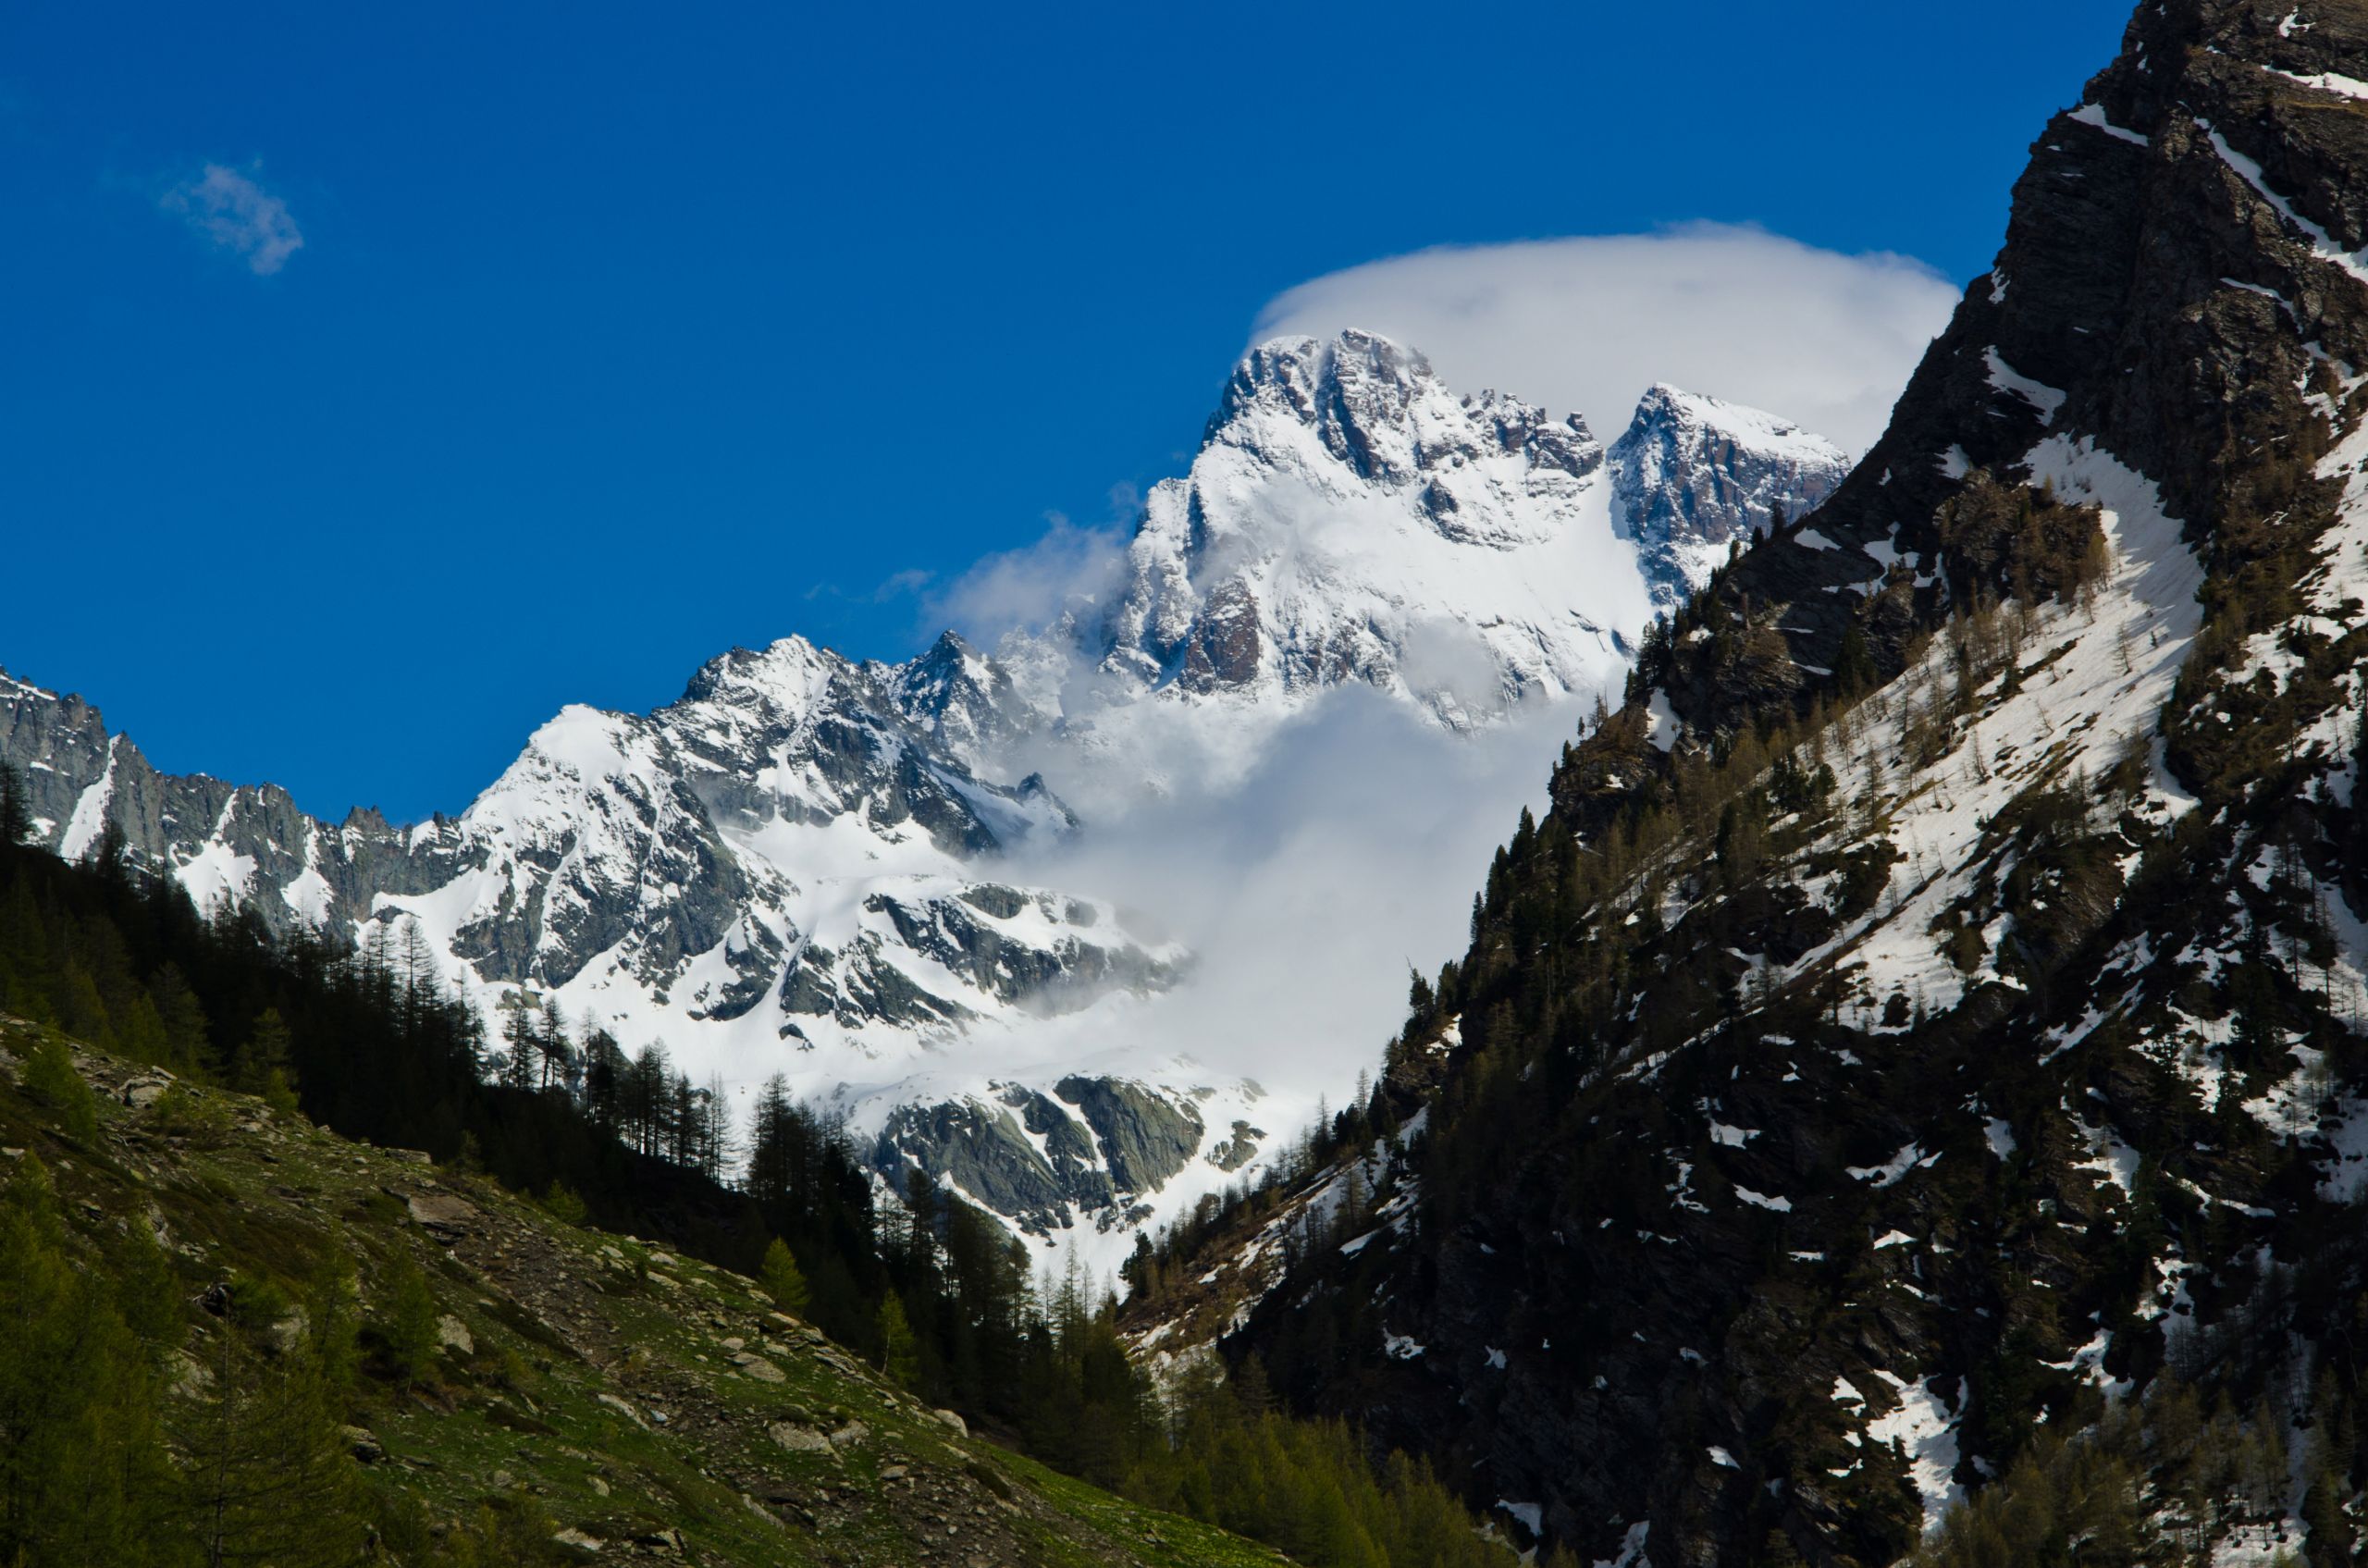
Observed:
{"x":1145,"y":1137}
{"x":1028,"y":1155}
{"x":1024,"y":1158}
{"x":1696,"y":476}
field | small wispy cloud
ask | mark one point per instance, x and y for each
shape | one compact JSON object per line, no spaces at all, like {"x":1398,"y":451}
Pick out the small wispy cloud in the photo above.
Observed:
{"x":905,"y":583}
{"x":230,"y":211}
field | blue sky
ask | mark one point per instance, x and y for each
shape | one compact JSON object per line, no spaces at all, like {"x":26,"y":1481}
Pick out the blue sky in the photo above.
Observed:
{"x":613,"y":340}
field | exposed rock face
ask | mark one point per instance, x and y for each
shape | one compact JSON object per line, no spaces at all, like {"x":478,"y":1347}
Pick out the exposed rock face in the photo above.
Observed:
{"x":1695,"y":476}
{"x":1145,"y":1137}
{"x":2152,"y":295}
{"x":222,"y":840}
{"x":987,"y":1149}
{"x":1233,"y":1155}
{"x":1824,"y":1110}
{"x":1095,"y":1146}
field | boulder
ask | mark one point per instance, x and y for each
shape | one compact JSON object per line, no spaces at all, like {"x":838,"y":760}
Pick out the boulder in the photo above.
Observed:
{"x":442,"y":1213}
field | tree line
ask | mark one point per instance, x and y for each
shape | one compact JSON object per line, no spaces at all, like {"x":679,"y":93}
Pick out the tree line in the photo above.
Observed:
{"x":367,"y":1039}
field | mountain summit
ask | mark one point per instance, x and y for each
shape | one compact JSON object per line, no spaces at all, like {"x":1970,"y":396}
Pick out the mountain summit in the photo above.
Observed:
{"x":1350,"y":518}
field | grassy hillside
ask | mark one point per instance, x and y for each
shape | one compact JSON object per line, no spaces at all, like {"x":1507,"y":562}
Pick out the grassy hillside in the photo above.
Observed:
{"x":265,"y":1343}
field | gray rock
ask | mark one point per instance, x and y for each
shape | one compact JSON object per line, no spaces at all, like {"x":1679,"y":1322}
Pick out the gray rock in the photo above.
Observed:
{"x":143,"y":1093}
{"x":798,"y":1438}
{"x":1243,"y":1147}
{"x":443,"y":1213}
{"x":1693,"y":476}
{"x":1145,"y":1137}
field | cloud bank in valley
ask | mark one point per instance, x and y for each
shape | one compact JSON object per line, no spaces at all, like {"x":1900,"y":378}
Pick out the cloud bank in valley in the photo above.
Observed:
{"x":1308,"y":863}
{"x":1588,"y":323}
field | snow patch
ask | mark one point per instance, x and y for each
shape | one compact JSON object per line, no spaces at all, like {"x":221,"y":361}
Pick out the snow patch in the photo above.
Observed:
{"x":2046,"y":399}
{"x":2094,"y":115}
{"x":1924,"y":1434}
{"x":1892,"y":1169}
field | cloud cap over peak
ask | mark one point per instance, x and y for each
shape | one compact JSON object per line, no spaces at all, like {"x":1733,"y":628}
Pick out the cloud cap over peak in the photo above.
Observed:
{"x":1588,"y":323}
{"x":233,"y":212}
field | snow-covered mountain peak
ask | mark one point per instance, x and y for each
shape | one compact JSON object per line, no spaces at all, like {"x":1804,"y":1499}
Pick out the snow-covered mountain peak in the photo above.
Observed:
{"x":1305,"y":373}
{"x":1376,"y":408}
{"x":787,"y":677}
{"x":581,"y":740}
{"x":1693,"y":474}
{"x":1350,"y":517}
{"x":1690,"y":414}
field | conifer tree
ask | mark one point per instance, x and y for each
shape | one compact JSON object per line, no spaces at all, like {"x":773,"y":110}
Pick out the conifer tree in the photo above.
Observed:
{"x":187,"y":1046}
{"x":266,"y":1066}
{"x":404,"y":1325}
{"x":110,"y":853}
{"x":562,"y":1203}
{"x":263,"y":1475}
{"x":81,"y":1458}
{"x":16,"y":809}
{"x":54,"y":1079}
{"x":899,"y":1351}
{"x":782,"y":1280}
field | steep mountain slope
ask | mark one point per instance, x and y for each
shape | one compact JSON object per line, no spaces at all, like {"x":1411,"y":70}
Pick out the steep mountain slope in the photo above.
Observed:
{"x":805,"y":864}
{"x":532,"y":1392}
{"x":1933,"y":1009}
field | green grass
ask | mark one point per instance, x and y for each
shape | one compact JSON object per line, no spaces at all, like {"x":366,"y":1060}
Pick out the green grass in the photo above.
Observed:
{"x":557,"y":1317}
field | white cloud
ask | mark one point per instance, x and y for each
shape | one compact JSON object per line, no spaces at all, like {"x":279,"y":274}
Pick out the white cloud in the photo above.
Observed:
{"x":1307,"y":859}
{"x":1587,"y":324}
{"x":1065,"y":569}
{"x":234,"y":213}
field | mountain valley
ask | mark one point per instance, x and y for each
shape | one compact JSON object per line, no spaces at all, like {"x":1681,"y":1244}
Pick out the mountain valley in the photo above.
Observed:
{"x":860,"y":874}
{"x":1458,"y":993}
